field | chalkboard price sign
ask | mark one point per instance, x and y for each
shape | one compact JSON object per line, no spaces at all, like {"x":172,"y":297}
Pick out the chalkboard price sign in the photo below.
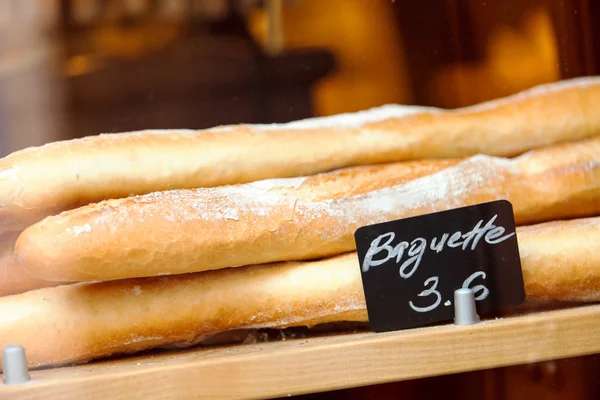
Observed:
{"x":411,"y":267}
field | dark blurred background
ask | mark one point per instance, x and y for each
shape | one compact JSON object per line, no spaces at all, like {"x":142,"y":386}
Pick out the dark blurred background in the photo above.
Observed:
{"x":71,"y":68}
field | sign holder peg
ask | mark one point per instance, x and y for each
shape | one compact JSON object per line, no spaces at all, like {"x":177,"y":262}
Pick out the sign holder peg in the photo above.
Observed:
{"x":465,"y":310}
{"x":14,"y":365}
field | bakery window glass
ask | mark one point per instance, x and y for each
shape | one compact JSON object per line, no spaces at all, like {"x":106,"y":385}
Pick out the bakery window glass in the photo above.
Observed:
{"x":338,"y":199}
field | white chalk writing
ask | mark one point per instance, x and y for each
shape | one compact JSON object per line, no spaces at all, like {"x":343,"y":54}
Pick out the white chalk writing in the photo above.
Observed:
{"x":382,"y":250}
{"x":484,"y":292}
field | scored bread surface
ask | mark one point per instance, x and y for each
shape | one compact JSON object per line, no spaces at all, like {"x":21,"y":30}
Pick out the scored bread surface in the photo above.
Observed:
{"x":299,"y":218}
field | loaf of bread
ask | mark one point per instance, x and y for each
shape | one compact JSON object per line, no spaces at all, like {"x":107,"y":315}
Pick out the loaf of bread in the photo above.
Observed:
{"x":290,"y":219}
{"x":38,"y":182}
{"x":80,"y":322}
{"x":13,"y":277}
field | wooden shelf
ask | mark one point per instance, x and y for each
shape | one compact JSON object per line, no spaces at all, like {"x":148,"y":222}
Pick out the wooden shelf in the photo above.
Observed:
{"x":309,"y":365}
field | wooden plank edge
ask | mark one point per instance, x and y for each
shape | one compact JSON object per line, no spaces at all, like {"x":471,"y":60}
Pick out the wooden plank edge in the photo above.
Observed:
{"x":332,"y":363}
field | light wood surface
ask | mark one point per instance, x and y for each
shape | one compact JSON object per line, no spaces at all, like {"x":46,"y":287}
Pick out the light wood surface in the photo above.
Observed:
{"x":309,"y":365}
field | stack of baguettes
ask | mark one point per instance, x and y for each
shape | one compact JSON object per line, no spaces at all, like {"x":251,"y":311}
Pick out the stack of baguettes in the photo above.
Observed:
{"x":254,"y":224}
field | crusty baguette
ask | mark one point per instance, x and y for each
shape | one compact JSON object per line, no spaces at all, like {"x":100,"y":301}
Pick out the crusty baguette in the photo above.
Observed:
{"x":299,"y":218}
{"x":41,"y":181}
{"x":14,"y":278}
{"x":561,"y":260}
{"x":80,"y":322}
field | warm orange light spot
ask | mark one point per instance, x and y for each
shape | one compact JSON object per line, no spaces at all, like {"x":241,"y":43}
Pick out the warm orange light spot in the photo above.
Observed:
{"x":514,"y":60}
{"x":363,"y":36}
{"x":78,"y":65}
{"x":132,"y":43}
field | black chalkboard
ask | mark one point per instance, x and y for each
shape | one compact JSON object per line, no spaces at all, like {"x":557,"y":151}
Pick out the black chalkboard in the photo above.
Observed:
{"x":411,"y":267}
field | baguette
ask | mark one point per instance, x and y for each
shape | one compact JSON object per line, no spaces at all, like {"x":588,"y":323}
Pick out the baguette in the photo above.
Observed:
{"x":42,"y":181}
{"x":184,"y":231}
{"x":14,"y":278}
{"x":560,"y":261}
